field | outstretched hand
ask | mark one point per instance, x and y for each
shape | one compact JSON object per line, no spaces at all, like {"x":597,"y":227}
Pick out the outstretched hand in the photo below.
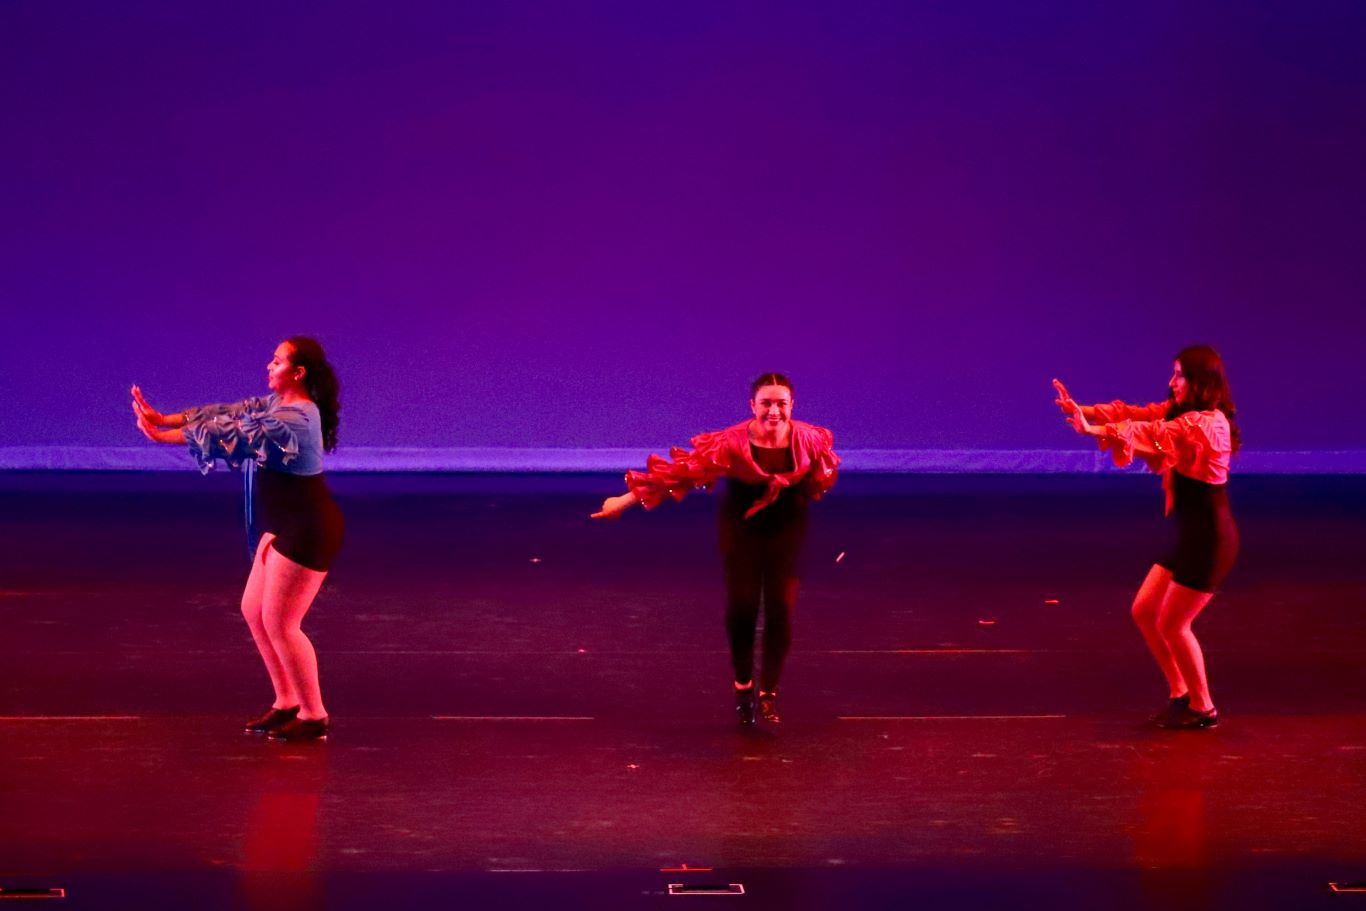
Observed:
{"x":143,"y":410}
{"x":152,"y":432}
{"x":1070,"y":409}
{"x":1064,"y":399}
{"x":1078,"y":420}
{"x":613,"y":507}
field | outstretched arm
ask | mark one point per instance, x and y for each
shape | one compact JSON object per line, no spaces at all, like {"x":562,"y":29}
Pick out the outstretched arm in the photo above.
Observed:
{"x":614,"y":507}
{"x":1138,"y":437}
{"x":1065,"y":402}
{"x":706,"y":463}
{"x":1109,"y":412}
{"x":153,"y":417}
{"x":159,"y":434}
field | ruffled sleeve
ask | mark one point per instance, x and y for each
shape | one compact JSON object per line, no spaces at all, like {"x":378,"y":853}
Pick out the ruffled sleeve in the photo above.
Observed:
{"x":242,"y":430}
{"x":1117,"y":411}
{"x":825,"y":464}
{"x":709,"y":460}
{"x":1123,"y":440}
{"x":1197,"y":441}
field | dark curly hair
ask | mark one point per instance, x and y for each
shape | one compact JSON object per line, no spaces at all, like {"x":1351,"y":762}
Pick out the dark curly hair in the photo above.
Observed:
{"x":1207,"y":387}
{"x":320,"y":380}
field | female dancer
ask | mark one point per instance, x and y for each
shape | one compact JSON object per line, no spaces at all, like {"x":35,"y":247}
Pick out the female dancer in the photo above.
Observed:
{"x":286,"y":433}
{"x":774,"y":467}
{"x":1189,"y":441}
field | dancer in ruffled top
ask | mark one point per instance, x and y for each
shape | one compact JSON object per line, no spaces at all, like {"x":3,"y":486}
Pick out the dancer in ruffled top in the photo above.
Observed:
{"x":774,"y":467}
{"x":285,"y":434}
{"x":1189,"y":440}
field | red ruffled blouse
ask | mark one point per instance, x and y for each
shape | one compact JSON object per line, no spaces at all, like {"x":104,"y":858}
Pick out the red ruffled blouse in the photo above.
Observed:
{"x":1197,"y":444}
{"x":726,"y":454}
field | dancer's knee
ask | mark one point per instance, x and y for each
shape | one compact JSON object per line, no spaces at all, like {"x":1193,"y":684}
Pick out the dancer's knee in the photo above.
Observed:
{"x":251,"y":610}
{"x":1144,"y":611}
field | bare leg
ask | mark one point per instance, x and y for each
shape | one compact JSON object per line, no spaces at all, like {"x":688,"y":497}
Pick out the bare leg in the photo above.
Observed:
{"x":288,"y":593}
{"x":285,"y":694}
{"x":1179,"y":609}
{"x":1146,"y":609}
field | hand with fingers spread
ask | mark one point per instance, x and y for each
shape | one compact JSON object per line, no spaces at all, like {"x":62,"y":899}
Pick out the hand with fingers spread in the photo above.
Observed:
{"x":613,"y":507}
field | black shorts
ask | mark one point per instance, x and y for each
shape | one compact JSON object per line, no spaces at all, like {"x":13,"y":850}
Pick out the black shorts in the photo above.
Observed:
{"x":1204,"y":537}
{"x":300,"y":512}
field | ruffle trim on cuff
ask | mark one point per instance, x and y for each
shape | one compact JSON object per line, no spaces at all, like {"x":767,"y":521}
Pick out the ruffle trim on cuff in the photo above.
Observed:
{"x":1120,"y":441}
{"x":236,"y":439}
{"x":825,"y":471}
{"x":684,"y":470}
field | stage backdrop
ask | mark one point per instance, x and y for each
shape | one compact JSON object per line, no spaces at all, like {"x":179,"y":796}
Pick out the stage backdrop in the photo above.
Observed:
{"x":562,"y":234}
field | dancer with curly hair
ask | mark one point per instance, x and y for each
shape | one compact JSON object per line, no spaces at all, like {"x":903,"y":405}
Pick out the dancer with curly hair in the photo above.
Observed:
{"x":285,"y":434}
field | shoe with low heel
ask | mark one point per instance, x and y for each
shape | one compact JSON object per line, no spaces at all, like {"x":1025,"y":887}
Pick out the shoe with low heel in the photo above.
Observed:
{"x":273,"y":719}
{"x":301,"y":730}
{"x":768,"y":708}
{"x":744,"y":707}
{"x":1174,"y":709}
{"x":1191,"y":720}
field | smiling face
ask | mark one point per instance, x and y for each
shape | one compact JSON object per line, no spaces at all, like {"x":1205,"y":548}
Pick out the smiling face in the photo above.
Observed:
{"x":772,"y":407}
{"x":281,"y":375}
{"x":1178,"y":385}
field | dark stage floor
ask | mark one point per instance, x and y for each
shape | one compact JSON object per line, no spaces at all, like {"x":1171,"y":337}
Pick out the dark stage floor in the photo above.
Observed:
{"x":533,"y":709}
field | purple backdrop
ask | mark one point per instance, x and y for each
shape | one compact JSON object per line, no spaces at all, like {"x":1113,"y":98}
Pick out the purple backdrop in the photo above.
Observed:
{"x":588,"y":225}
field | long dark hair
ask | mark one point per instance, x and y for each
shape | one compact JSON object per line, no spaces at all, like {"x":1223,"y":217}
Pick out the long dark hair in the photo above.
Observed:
{"x":1206,"y":387}
{"x":771,"y":379}
{"x":320,"y":381}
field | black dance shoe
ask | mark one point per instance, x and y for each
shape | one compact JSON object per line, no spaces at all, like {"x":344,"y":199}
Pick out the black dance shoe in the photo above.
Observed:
{"x":1175,"y":708}
{"x":299,"y":729}
{"x":271,"y":720}
{"x":768,"y":707}
{"x":1188,"y":719}
{"x":744,"y":707}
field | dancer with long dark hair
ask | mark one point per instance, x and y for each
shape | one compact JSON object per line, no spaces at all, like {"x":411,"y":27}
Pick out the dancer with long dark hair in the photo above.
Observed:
{"x":286,"y":434}
{"x":1189,"y":440}
{"x":773,"y":466}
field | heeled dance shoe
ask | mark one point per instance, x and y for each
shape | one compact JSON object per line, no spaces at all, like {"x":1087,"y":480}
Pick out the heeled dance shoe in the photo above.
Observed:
{"x":300,"y":730}
{"x":1188,"y":719}
{"x":744,"y":707}
{"x":270,"y":721}
{"x":768,"y":707}
{"x":1174,"y":709}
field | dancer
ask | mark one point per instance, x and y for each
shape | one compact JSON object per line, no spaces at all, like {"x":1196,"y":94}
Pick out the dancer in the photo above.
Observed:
{"x":286,"y":434}
{"x":1188,"y":440}
{"x":774,"y":466}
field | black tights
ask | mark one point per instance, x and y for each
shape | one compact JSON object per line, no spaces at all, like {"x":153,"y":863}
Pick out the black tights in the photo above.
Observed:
{"x":760,"y":567}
